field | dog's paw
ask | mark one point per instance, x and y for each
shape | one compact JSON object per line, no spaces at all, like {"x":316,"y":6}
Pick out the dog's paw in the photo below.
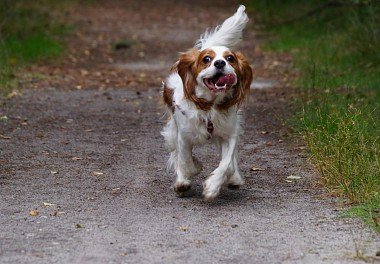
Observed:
{"x":210,"y":190}
{"x":235,"y":181}
{"x":182,"y":188}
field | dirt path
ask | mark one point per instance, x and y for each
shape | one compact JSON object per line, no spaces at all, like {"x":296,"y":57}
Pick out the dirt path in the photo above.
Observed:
{"x":97,"y":156}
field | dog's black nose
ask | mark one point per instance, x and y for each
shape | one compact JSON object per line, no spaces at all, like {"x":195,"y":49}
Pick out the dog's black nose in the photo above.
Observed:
{"x":219,"y":64}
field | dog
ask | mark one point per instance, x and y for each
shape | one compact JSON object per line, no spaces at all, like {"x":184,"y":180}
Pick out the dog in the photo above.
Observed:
{"x":204,"y":95}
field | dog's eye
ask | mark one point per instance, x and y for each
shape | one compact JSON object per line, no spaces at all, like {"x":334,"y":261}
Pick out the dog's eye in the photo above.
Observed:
{"x":207,"y":59}
{"x":230,"y":58}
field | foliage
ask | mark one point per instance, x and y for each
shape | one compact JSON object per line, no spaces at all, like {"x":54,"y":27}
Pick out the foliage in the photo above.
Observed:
{"x":336,"y":47}
{"x":29,"y":31}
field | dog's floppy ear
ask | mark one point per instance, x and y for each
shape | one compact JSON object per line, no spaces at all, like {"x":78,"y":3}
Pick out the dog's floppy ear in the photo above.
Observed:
{"x":245,"y":76}
{"x":186,"y":68}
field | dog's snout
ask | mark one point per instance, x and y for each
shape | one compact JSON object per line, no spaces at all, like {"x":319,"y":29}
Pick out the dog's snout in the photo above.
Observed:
{"x":219,"y":64}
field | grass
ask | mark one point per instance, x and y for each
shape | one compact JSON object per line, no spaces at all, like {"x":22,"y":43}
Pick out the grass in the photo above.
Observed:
{"x":335,"y":45}
{"x":30,"y":31}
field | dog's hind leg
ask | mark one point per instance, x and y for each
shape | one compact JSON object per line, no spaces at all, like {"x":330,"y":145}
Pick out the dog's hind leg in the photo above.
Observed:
{"x":235,"y":179}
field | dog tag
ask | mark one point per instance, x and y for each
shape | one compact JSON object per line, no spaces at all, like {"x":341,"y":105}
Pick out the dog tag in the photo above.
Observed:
{"x":210,"y":126}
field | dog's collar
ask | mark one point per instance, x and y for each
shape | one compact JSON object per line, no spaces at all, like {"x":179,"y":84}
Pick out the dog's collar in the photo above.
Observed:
{"x":209,"y":126}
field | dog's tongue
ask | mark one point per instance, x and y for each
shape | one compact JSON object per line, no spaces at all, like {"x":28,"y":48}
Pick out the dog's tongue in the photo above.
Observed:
{"x":226,"y":79}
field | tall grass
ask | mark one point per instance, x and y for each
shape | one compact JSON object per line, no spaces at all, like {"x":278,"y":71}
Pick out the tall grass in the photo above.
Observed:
{"x":30,"y":31}
{"x":336,"y":48}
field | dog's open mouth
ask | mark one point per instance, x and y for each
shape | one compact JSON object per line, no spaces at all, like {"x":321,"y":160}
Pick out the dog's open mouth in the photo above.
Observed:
{"x":220,"y":82}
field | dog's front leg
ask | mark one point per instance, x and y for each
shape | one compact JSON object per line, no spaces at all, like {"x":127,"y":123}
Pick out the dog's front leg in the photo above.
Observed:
{"x":185,"y":165}
{"x":226,"y":168}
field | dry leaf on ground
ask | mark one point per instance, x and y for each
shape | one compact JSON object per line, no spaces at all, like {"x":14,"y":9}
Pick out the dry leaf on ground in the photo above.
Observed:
{"x":97,"y":173}
{"x":34,"y":212}
{"x":48,"y":204}
{"x":293,"y":177}
{"x":4,"y":137}
{"x":257,"y":169}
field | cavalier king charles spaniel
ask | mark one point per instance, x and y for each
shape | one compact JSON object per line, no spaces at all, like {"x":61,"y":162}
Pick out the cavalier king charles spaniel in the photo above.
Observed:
{"x":204,"y":94}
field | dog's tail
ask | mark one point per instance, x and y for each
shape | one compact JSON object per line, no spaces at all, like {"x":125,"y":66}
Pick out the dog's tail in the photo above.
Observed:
{"x":228,"y":34}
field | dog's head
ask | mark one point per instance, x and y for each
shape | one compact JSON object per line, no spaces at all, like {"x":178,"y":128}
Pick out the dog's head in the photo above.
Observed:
{"x":214,"y":72}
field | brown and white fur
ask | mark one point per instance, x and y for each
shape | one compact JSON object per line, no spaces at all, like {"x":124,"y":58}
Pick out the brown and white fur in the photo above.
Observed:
{"x":204,"y":94}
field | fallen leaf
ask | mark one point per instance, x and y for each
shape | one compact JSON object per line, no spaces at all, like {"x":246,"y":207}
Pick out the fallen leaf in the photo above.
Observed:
{"x":89,"y":130}
{"x":34,"y":213}
{"x":293,"y":177}
{"x":123,"y":139}
{"x":83,"y":72}
{"x":199,"y":242}
{"x":40,"y":135}
{"x":97,"y":173}
{"x":116,"y":191}
{"x":4,"y":137}
{"x":184,"y":228}
{"x":289,"y":181}
{"x":300,"y":148}
{"x":48,"y":204}
{"x":264,"y":132}
{"x":76,"y":158}
{"x":13,"y":94}
{"x":79,"y":226}
{"x":54,"y":172}
{"x":256,"y":169}
{"x":54,"y":213}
